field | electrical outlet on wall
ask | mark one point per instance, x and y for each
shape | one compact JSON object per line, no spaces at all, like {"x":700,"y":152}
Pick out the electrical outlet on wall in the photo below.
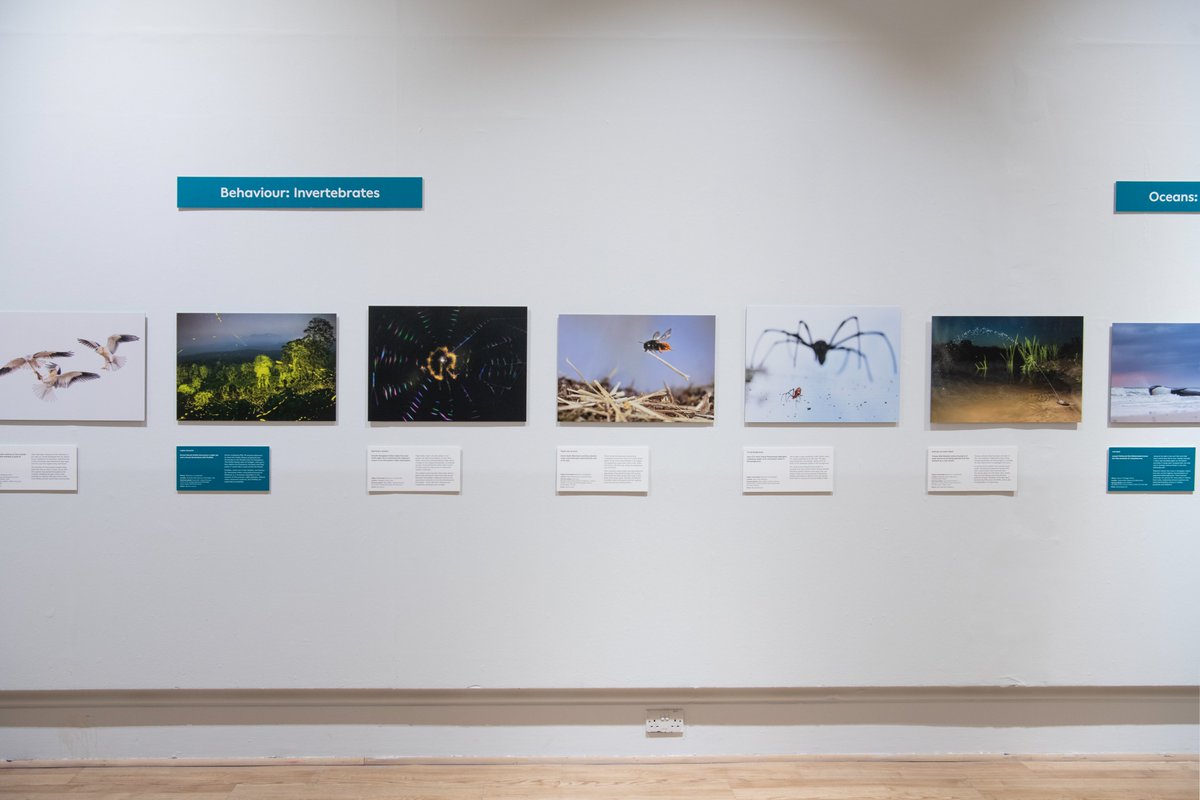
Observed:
{"x":664,"y":722}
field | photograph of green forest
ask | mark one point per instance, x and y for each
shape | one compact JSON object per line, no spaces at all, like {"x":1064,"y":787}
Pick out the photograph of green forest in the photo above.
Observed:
{"x":256,"y":367}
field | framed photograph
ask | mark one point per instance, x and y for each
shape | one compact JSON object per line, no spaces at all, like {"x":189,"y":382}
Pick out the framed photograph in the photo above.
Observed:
{"x":1006,"y":369}
{"x":447,"y":363}
{"x":830,"y":364}
{"x":1155,"y":372}
{"x":636,"y":368}
{"x":256,"y":367}
{"x":73,"y":367}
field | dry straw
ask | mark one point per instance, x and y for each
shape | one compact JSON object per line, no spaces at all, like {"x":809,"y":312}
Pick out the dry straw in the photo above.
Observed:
{"x":595,"y":401}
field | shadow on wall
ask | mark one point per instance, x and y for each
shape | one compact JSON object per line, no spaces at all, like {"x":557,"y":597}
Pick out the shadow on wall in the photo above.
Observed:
{"x":940,"y":37}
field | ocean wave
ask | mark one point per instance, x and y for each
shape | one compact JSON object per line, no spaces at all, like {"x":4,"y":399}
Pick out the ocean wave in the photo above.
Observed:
{"x":1136,"y":404}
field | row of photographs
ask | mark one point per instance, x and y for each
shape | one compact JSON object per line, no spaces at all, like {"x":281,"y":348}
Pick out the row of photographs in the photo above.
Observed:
{"x":804,"y":364}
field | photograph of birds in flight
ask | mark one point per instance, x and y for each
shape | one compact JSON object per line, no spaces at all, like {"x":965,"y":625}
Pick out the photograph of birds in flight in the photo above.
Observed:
{"x":69,"y":367}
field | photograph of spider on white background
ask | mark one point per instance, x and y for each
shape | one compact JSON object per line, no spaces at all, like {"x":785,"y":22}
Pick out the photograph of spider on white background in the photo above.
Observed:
{"x":825,"y":364}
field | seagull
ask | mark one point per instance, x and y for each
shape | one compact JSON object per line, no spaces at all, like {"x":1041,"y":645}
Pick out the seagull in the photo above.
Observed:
{"x":33,"y":361}
{"x":56,"y":379}
{"x":111,"y":361}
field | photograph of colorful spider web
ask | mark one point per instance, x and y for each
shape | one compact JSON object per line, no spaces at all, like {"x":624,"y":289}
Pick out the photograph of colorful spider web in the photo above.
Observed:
{"x":447,"y":363}
{"x":636,"y":368}
{"x":823,"y":364}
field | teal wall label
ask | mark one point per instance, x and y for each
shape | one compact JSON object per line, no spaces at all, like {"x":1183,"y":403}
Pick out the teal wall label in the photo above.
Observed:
{"x":1157,"y":197}
{"x":222,"y":469}
{"x":1152,"y":469}
{"x":307,"y":192}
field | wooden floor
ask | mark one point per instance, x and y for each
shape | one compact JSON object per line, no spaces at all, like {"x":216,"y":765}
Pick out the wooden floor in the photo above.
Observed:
{"x":994,"y":779}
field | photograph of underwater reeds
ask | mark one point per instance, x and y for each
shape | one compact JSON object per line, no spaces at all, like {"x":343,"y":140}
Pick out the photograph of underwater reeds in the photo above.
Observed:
{"x":636,"y":368}
{"x":1006,"y":369}
{"x":256,"y":367}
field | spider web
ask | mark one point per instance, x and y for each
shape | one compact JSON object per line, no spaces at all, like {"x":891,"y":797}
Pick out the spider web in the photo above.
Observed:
{"x":447,"y":364}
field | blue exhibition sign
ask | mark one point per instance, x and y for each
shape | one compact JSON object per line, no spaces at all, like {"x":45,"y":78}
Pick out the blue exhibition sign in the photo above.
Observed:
{"x":307,"y":192}
{"x":222,"y":469}
{"x":1157,"y":197}
{"x":1152,"y":469}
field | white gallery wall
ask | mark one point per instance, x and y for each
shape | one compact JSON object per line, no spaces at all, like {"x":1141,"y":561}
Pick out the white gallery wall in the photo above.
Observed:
{"x":948,"y":158}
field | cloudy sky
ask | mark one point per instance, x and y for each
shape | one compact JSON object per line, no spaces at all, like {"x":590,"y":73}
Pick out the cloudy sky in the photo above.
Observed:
{"x":1144,"y":354}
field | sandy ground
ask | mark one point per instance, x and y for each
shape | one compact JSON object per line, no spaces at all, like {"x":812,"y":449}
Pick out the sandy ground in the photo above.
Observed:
{"x":967,"y":402}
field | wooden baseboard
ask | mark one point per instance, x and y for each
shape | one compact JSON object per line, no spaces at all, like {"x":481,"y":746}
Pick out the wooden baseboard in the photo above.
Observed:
{"x":431,"y":726}
{"x":589,"y":760}
{"x":996,"y":706}
{"x":384,"y":697}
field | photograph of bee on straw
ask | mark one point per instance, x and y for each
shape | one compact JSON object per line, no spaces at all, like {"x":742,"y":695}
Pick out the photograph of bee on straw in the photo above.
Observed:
{"x":636,"y":368}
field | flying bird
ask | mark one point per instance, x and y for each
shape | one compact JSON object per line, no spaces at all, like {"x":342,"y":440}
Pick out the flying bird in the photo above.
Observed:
{"x":56,"y":379}
{"x":33,"y":361}
{"x":108,"y":353}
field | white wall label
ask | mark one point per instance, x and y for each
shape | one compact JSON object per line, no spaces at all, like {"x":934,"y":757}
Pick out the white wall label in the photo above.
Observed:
{"x":414,"y":469}
{"x":603,"y":469}
{"x":38,"y":468}
{"x":971,"y":469}
{"x":787,"y":469}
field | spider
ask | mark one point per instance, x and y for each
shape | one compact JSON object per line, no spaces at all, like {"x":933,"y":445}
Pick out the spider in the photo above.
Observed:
{"x":822,"y":348}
